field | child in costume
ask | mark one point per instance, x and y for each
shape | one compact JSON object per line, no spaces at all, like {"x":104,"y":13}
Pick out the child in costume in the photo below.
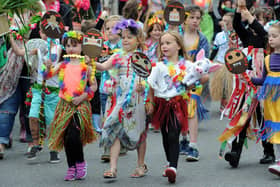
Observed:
{"x":155,"y":27}
{"x":125,"y":123}
{"x":113,"y":43}
{"x":221,"y":82}
{"x":71,"y":127}
{"x":50,"y":99}
{"x":194,"y":41}
{"x":170,"y":97}
{"x":242,"y":122}
{"x":269,"y":93}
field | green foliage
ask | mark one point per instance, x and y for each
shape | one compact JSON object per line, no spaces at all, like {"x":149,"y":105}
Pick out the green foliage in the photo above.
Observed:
{"x":18,"y":6}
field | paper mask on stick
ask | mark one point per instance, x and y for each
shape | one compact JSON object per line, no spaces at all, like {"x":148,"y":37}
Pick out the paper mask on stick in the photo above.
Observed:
{"x":93,"y":43}
{"x":237,"y":63}
{"x":141,"y":64}
{"x":174,"y":13}
{"x":52,"y":24}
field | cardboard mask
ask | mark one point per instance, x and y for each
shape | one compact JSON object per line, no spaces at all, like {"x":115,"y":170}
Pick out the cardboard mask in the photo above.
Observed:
{"x":4,"y":29}
{"x":141,"y":64}
{"x":236,"y":61}
{"x":52,"y":24}
{"x":93,"y":43}
{"x":174,"y":13}
{"x":105,"y":54}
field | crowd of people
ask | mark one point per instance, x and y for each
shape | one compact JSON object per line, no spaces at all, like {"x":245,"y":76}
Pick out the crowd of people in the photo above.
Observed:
{"x":83,"y":99}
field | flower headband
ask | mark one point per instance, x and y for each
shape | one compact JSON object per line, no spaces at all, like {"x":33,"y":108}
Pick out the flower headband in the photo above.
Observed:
{"x":154,"y":20}
{"x":269,"y":24}
{"x":74,"y":35}
{"x":124,"y":24}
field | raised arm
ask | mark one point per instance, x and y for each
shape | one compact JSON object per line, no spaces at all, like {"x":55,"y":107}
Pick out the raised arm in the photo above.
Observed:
{"x":106,"y":65}
{"x":18,"y":51}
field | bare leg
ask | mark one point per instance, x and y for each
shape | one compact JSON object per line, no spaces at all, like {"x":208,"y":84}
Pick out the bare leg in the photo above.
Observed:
{"x":141,"y":152}
{"x":193,"y":128}
{"x":34,"y":128}
{"x":114,"y":153}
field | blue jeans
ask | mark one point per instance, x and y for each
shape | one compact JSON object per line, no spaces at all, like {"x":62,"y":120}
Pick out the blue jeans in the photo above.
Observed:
{"x":8,"y":111}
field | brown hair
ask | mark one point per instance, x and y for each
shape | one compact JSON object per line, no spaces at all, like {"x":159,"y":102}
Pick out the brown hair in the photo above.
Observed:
{"x":193,"y":8}
{"x":87,"y":25}
{"x":230,"y":14}
{"x":180,"y":42}
{"x":130,"y":10}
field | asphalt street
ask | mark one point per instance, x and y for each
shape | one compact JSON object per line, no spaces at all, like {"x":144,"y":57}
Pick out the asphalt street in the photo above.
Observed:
{"x":210,"y":171}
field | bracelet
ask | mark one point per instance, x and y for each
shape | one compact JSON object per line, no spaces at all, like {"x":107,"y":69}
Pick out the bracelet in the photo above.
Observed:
{"x":90,"y":93}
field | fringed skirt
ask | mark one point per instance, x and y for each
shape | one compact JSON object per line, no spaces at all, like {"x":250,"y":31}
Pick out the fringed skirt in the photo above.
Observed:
{"x":63,"y":113}
{"x":163,"y":108}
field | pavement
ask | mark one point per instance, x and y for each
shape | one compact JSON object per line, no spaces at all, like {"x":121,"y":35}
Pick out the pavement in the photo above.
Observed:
{"x":210,"y":171}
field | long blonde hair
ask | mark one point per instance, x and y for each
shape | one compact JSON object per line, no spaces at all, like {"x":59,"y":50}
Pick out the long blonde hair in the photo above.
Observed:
{"x":179,"y":40}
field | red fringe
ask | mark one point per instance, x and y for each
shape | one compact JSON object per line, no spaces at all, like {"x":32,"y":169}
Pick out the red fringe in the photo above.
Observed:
{"x":162,"y":110}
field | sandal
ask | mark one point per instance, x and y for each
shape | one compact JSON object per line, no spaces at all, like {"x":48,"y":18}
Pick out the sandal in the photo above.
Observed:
{"x":140,"y":171}
{"x":110,"y":173}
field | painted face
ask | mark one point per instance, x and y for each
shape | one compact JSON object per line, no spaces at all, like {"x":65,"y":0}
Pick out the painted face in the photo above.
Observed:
{"x":129,"y":41}
{"x":156,"y":32}
{"x":236,"y":61}
{"x":169,"y":45}
{"x":193,"y":20}
{"x":108,"y":31}
{"x":274,"y":37}
{"x":73,"y":48}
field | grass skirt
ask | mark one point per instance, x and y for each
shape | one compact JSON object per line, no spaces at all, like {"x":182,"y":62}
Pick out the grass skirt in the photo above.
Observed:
{"x":63,"y":113}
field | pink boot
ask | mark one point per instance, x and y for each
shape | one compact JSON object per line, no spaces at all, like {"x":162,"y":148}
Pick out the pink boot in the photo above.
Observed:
{"x":71,"y":174}
{"x":81,"y":169}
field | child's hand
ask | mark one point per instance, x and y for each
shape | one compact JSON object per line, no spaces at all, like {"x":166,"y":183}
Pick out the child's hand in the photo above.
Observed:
{"x":149,"y":108}
{"x":139,"y":88}
{"x":87,"y":59}
{"x":77,"y":100}
{"x":48,"y":64}
{"x":33,"y":52}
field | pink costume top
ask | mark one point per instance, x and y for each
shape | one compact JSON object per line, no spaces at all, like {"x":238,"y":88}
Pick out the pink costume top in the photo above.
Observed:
{"x":71,"y":80}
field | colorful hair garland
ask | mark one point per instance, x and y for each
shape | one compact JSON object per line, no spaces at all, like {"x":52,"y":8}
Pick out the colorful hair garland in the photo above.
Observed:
{"x":74,"y":35}
{"x":155,"y":20}
{"x":124,"y":24}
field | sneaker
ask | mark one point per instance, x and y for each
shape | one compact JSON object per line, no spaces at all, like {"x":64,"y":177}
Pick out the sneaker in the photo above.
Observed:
{"x":233,"y":159}
{"x":267,"y":159}
{"x":54,"y":157}
{"x":71,"y":174}
{"x":32,"y":155}
{"x":81,"y":169}
{"x":184,"y":147}
{"x":275,"y":168}
{"x":193,"y":155}
{"x":170,"y":172}
{"x":2,"y":151}
{"x":165,"y":167}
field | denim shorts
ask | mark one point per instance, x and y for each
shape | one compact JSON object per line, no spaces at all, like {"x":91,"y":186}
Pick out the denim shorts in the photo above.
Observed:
{"x":51,"y":101}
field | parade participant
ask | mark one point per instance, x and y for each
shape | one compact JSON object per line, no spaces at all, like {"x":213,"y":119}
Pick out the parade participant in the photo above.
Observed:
{"x":254,"y":39}
{"x":194,"y":40}
{"x":113,"y":43}
{"x":155,"y":27}
{"x":269,"y":93}
{"x":71,"y":127}
{"x":170,"y":98}
{"x":50,"y":101}
{"x":125,"y":123}
{"x":221,"y":81}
